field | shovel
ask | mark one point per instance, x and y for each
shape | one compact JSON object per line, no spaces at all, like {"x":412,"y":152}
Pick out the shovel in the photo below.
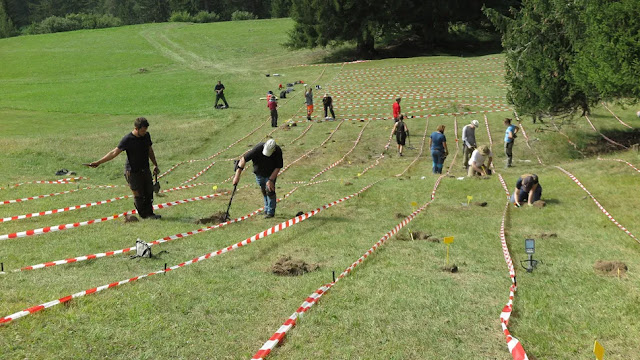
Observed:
{"x":226,"y":215}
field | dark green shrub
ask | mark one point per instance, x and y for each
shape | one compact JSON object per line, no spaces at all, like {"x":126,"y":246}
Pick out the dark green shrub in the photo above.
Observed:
{"x":240,"y":15}
{"x":180,"y":16}
{"x":206,"y":17}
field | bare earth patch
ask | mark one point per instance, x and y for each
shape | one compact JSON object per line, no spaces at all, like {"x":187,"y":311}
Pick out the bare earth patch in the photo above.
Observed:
{"x":610,"y":267}
{"x":216,"y":218}
{"x":130,"y":218}
{"x":286,"y":266}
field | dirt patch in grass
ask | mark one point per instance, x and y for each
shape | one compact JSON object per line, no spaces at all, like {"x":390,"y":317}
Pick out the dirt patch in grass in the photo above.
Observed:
{"x":452,"y":268}
{"x":130,"y":218}
{"x":481,"y":204}
{"x":548,"y":235}
{"x":286,"y":266}
{"x":610,"y":267}
{"x":417,"y":235}
{"x":216,"y":218}
{"x":400,"y":216}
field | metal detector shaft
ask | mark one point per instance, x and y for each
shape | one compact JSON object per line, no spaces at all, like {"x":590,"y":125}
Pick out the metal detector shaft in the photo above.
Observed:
{"x":226,"y":216}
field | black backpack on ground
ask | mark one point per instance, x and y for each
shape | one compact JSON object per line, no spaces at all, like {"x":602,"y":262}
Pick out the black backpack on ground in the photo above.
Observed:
{"x":283,"y":94}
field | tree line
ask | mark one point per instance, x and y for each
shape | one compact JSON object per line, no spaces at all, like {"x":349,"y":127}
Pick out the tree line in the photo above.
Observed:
{"x":17,"y":15}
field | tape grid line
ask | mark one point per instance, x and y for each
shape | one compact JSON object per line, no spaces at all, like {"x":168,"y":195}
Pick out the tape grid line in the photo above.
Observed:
{"x":617,"y":118}
{"x":424,"y":139}
{"x":603,"y":135}
{"x":252,"y":239}
{"x":526,"y":138}
{"x":51,"y":182}
{"x":4,"y":202}
{"x":622,"y":161}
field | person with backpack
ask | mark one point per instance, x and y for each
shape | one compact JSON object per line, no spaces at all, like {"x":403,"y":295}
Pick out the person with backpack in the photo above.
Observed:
{"x":267,"y":162}
{"x":438,"y":146}
{"x":528,"y":190}
{"x":476,"y":161}
{"x":308,"y":100}
{"x":327,"y":103}
{"x":219,"y":89}
{"x":396,"y":110}
{"x":469,"y":141}
{"x":509,"y":137}
{"x":272,"y":103}
{"x":402,"y":131}
{"x":137,"y":145}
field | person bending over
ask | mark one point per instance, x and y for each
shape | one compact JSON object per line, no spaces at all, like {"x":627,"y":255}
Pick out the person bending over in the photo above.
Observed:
{"x":267,"y":162}
{"x":528,"y":190}
{"x":476,"y":161}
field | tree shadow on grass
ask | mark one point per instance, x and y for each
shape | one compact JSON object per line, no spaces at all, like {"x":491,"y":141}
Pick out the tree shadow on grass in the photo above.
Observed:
{"x":597,"y":144}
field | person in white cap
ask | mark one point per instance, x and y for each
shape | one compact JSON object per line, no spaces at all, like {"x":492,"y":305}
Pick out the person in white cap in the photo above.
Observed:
{"x":267,"y":162}
{"x":469,"y":141}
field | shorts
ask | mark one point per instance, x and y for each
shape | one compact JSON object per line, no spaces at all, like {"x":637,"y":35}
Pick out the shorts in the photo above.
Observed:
{"x":309,"y":109}
{"x":400,"y":138}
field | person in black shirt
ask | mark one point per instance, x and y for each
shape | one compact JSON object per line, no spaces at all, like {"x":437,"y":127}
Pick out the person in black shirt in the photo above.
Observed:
{"x":528,"y":190}
{"x":137,"y":144}
{"x":327,"y":103}
{"x":402,"y":131}
{"x":220,"y":95}
{"x":267,"y":162}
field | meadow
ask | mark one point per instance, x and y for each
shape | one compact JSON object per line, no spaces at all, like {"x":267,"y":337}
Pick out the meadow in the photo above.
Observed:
{"x":68,"y":98}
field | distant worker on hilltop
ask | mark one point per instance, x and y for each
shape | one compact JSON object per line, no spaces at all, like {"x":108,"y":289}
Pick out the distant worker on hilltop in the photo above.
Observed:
{"x":396,"y":109}
{"x":219,"y":89}
{"x":327,"y":103}
{"x":272,"y":104}
{"x":308,"y":100}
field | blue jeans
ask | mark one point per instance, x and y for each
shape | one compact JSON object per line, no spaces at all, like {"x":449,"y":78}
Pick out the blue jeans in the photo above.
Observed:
{"x":523,"y":198}
{"x":438,"y":160}
{"x":269,"y":197}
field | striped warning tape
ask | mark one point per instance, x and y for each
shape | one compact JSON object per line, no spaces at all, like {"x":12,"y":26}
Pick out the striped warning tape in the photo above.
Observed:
{"x":312,"y":150}
{"x":614,"y":115}
{"x":55,"y":182}
{"x":513,"y":344}
{"x":336,"y":64}
{"x":570,"y":175}
{"x":199,"y":174}
{"x":566,"y":136}
{"x":56,"y":228}
{"x":603,"y":135}
{"x":303,"y":133}
{"x":156,"y":242}
{"x":345,"y":155}
{"x":254,"y":238}
{"x":379,"y":158}
{"x":424,"y":139}
{"x":622,"y":161}
{"x":312,"y":299}
{"x":29,"y":198}
{"x":526,"y":138}
{"x":83,"y":206}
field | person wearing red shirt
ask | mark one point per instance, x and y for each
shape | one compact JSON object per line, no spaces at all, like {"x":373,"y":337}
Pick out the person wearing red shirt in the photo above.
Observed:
{"x":273,"y":106}
{"x":396,"y":110}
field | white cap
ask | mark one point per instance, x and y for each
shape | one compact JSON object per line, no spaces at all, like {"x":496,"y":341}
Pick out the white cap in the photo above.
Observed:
{"x":475,"y":123}
{"x":305,"y":85}
{"x":269,"y":147}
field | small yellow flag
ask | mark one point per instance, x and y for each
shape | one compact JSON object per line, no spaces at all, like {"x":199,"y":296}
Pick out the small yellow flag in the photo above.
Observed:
{"x":349,"y":162}
{"x":215,"y":187}
{"x":598,"y":350}
{"x":414,"y":204}
{"x":448,"y":240}
{"x":469,"y":197}
{"x":359,"y":174}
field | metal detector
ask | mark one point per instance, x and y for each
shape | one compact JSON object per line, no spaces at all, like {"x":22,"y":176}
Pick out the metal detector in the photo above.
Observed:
{"x":226,"y":216}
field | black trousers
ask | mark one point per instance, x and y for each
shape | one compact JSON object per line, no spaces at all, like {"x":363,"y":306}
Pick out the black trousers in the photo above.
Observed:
{"x":221,"y":96}
{"x":141,"y":185}
{"x":330,"y":107}
{"x":274,"y":118}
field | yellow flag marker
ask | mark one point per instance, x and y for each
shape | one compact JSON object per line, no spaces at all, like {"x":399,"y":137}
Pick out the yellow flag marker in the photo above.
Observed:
{"x":215,"y":187}
{"x":414,"y":204}
{"x":349,"y":162}
{"x":469,"y":198}
{"x":448,"y":240}
{"x":598,"y":350}
{"x":359,"y":174}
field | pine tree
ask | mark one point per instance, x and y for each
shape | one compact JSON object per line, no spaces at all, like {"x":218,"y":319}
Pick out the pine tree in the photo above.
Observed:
{"x":7,"y":29}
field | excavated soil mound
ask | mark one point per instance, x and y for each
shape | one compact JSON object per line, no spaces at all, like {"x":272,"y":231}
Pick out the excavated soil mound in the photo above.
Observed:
{"x":130,"y":218}
{"x":599,"y":145}
{"x":286,"y":266}
{"x":419,"y":235}
{"x":549,"y":235}
{"x":400,"y":216}
{"x":610,"y":267}
{"x":216,"y":218}
{"x":539,"y":204}
{"x":452,"y":269}
{"x":481,"y":204}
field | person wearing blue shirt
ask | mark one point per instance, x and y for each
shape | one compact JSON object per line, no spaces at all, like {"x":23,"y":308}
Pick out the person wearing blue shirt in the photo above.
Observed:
{"x":509,"y":137}
{"x":438,"y":146}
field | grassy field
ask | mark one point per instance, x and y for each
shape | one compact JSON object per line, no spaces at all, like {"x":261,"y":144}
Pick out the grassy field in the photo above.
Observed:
{"x":68,"y":98}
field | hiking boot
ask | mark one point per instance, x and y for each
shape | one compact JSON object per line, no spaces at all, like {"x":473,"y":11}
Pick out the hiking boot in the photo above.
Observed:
{"x":154,"y":217}
{"x":268,"y":216}
{"x":401,"y":154}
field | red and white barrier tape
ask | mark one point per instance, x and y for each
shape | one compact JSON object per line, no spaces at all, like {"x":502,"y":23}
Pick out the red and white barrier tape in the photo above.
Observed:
{"x":566,"y":136}
{"x":312,"y":299}
{"x":614,"y":115}
{"x":570,"y":175}
{"x":379,"y":158}
{"x":56,"y":228}
{"x":622,"y":161}
{"x":345,"y":155}
{"x":59,"y":181}
{"x":245,"y":242}
{"x":603,"y":135}
{"x":312,"y":150}
{"x":156,"y":242}
{"x":302,"y":134}
{"x":424,"y":139}
{"x":199,"y":174}
{"x":526,"y":138}
{"x":4,"y":202}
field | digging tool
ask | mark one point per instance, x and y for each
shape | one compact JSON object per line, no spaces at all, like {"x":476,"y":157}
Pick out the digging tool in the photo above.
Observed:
{"x":226,"y":215}
{"x":156,"y":186}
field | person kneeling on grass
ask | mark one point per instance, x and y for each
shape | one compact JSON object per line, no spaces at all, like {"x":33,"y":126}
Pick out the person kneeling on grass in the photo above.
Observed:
{"x":267,"y":162}
{"x":476,"y":161}
{"x":137,"y":144}
{"x":528,"y":190}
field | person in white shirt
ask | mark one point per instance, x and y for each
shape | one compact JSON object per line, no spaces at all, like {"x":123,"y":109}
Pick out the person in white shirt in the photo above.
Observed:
{"x":476,"y":162}
{"x":469,"y":141}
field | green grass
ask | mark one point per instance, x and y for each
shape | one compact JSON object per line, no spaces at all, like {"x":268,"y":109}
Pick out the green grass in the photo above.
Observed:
{"x":68,"y":98}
